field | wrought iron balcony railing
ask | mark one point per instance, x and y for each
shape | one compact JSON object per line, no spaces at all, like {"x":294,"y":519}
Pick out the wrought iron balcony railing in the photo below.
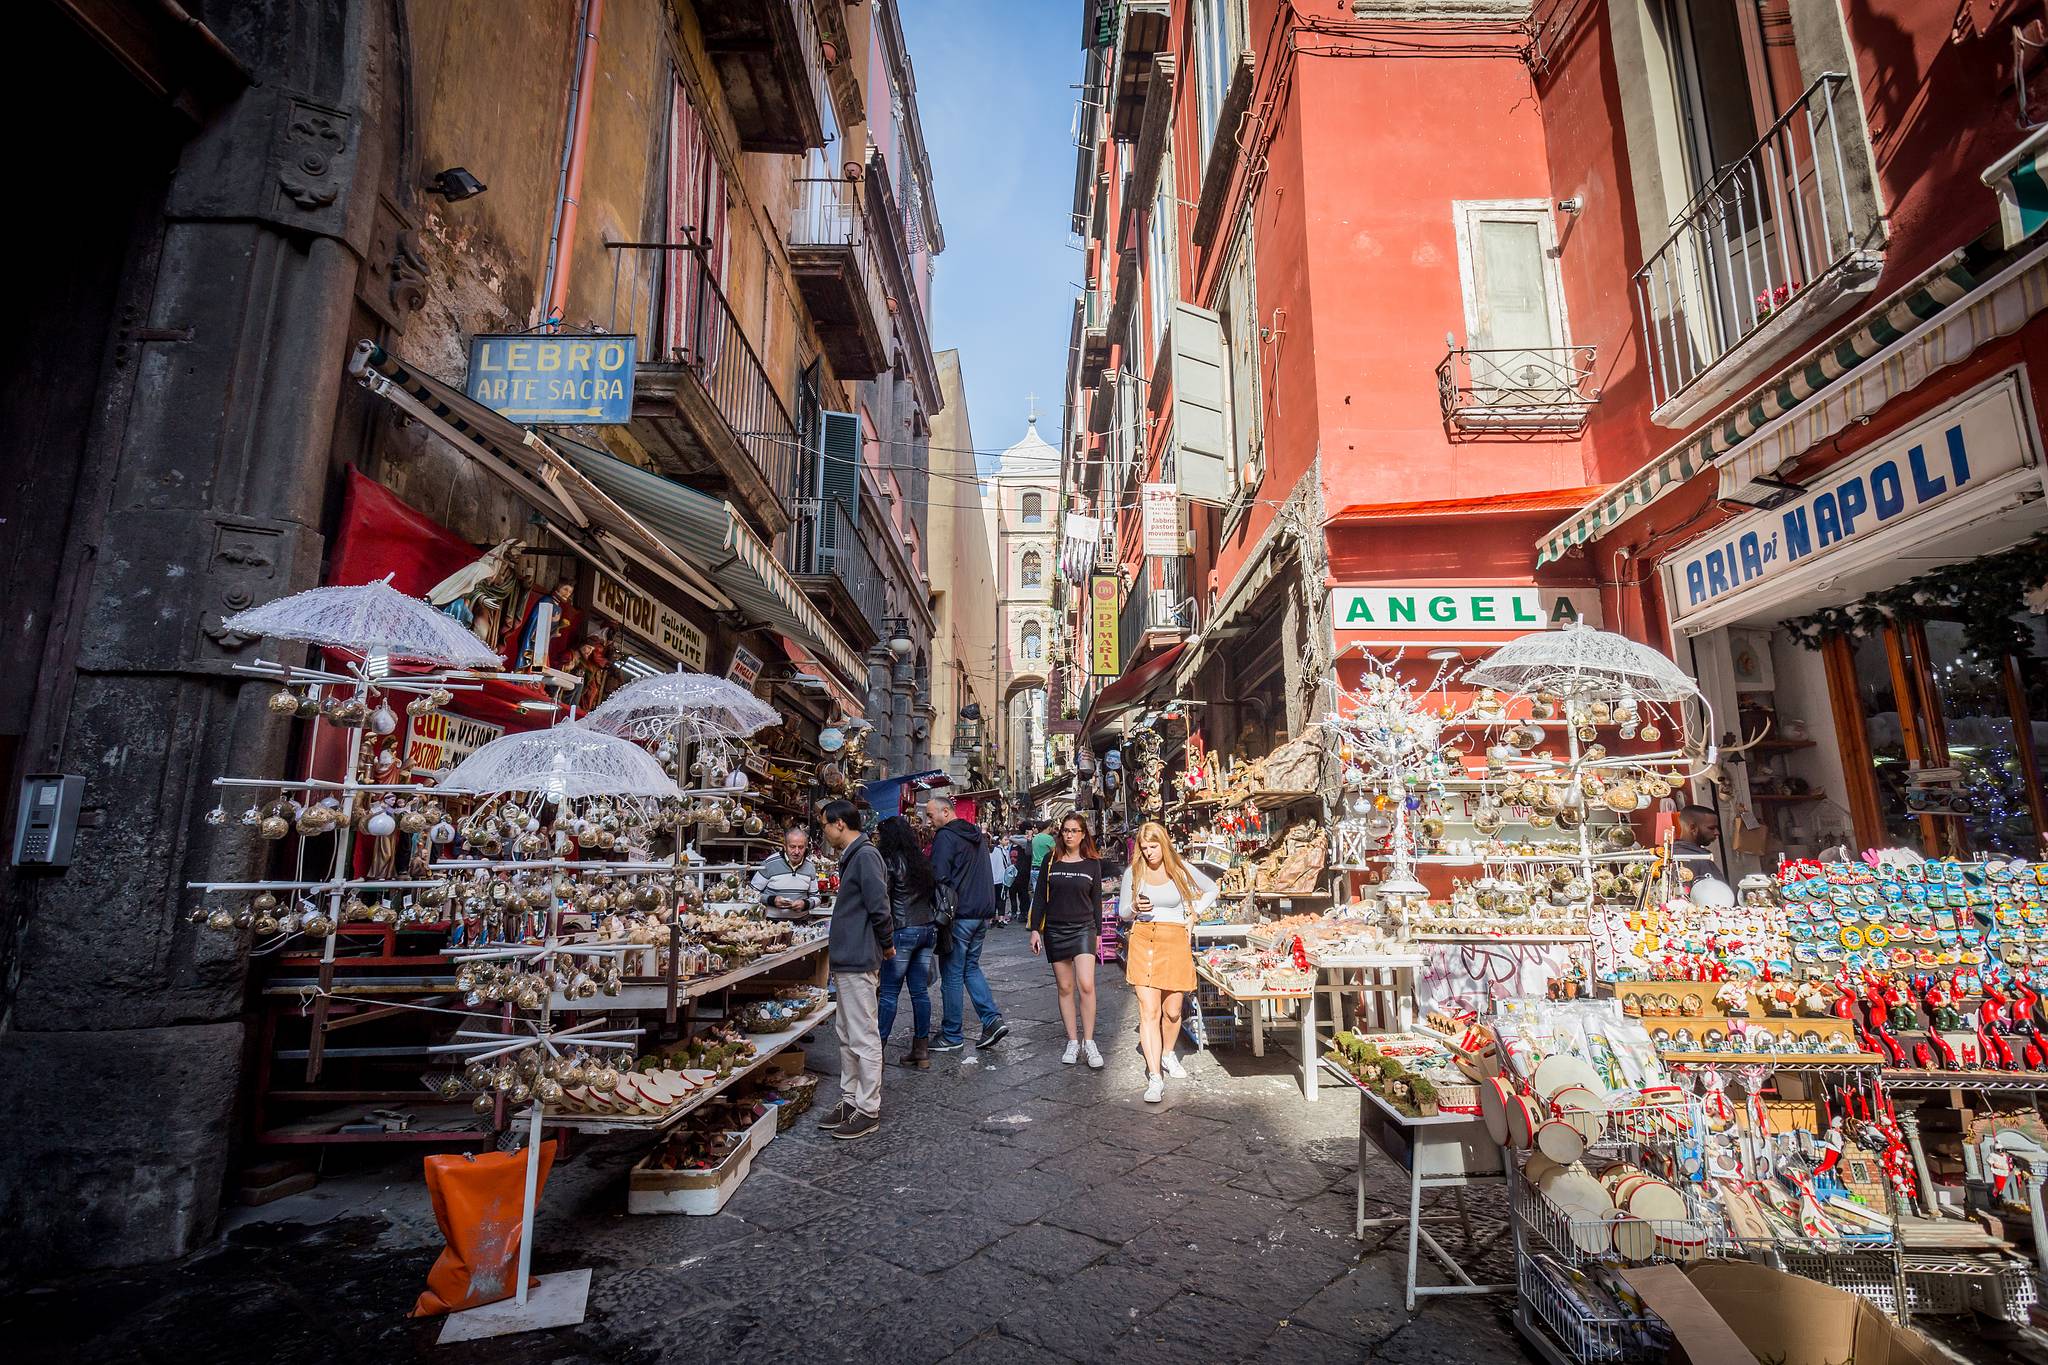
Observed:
{"x":832,"y":251}
{"x":665,"y":295}
{"x":825,"y":545}
{"x":1517,"y":388}
{"x":1779,"y":234}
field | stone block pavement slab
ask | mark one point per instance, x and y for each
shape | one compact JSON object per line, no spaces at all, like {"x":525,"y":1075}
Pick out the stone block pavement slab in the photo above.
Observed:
{"x":1011,"y":1210}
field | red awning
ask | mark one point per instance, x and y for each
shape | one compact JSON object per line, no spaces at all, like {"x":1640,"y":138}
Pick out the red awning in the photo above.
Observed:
{"x":1132,"y":686}
{"x":1547,"y":500}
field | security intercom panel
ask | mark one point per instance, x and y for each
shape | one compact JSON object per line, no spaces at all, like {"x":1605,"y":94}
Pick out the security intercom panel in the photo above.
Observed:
{"x":49,"y":819}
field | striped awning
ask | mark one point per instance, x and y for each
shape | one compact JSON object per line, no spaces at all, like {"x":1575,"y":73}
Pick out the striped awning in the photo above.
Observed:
{"x":2022,"y":187}
{"x":1923,"y":312}
{"x":737,"y":559}
{"x":1997,"y":310}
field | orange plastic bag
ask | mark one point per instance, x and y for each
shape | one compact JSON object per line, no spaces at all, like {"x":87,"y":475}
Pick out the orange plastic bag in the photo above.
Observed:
{"x":478,"y":1201}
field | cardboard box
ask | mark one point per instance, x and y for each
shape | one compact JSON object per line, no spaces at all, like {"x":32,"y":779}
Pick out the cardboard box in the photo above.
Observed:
{"x":1793,"y":1321}
{"x":702,"y":1193}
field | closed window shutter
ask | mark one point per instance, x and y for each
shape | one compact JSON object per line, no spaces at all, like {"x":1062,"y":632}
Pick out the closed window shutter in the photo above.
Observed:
{"x":1200,"y":435}
{"x":838,"y":477}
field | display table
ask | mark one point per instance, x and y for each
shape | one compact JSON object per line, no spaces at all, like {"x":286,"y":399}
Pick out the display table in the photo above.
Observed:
{"x":1382,"y":984}
{"x":1449,"y":1151}
{"x":766,"y":1046}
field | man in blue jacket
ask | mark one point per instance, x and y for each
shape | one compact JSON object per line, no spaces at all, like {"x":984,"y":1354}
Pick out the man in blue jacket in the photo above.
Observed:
{"x":960,"y":861}
{"x":863,"y":937}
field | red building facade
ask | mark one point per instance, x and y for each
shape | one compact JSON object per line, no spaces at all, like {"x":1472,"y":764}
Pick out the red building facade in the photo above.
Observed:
{"x":1485,"y":310}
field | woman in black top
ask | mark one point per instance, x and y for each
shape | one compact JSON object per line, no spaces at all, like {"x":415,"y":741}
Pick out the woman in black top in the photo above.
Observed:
{"x":1066,"y":920}
{"x":910,"y":902}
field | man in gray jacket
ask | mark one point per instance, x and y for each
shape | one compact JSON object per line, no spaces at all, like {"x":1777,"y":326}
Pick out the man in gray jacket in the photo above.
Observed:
{"x":862,"y":938}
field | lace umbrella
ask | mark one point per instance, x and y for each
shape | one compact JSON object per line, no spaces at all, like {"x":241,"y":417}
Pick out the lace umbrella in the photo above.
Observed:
{"x":366,"y":618}
{"x":700,"y":706}
{"x":1579,"y":661}
{"x":567,"y":762}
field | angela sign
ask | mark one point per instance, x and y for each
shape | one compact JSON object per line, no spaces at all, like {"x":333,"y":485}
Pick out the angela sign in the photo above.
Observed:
{"x":554,"y":380}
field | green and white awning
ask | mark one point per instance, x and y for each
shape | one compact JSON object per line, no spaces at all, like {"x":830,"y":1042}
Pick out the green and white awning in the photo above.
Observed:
{"x":2022,"y":185}
{"x":1808,"y":403}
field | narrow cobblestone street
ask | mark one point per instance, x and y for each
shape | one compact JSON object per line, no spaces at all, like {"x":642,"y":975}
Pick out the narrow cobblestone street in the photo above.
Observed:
{"x":1011,"y":1209}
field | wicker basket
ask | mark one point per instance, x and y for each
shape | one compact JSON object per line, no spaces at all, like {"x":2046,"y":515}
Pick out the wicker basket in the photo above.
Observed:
{"x":793,"y":1098}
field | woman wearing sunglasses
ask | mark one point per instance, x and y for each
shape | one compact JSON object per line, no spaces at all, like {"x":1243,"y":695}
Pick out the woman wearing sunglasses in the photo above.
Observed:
{"x":1162,"y":896}
{"x":1066,"y":921}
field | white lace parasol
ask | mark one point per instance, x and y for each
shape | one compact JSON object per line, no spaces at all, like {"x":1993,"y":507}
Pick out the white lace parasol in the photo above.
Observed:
{"x":700,"y":706}
{"x":567,"y":761}
{"x":366,"y":618}
{"x":1579,"y":661}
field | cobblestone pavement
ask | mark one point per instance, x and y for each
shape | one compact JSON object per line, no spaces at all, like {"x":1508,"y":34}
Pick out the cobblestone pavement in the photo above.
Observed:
{"x":1011,"y":1209}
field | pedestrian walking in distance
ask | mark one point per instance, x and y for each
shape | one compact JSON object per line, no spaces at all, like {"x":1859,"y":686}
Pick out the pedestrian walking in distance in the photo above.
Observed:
{"x":1066,"y":923}
{"x":963,"y":862}
{"x":914,"y":915}
{"x":1020,"y":876}
{"x":1162,"y":896}
{"x":861,"y":941}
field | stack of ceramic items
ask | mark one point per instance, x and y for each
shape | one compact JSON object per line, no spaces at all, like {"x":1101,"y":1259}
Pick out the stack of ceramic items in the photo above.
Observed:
{"x":1619,"y":1210}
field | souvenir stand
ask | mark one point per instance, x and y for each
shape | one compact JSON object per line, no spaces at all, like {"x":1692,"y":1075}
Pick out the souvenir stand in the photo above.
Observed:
{"x":534,"y":860}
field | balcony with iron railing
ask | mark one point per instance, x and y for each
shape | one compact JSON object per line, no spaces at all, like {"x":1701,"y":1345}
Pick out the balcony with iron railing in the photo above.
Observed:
{"x":1094,"y":336}
{"x":832,"y":254}
{"x":1510,"y":390}
{"x":1763,"y":258}
{"x":703,"y":405}
{"x":838,"y":568}
{"x":1152,"y":617}
{"x":771,"y":66}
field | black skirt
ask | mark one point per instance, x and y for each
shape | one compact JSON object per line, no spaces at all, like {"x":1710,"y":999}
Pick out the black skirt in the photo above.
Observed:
{"x":1066,"y":941}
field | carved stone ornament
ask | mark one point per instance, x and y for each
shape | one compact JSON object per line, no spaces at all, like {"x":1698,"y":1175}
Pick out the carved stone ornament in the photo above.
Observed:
{"x":311,"y":158}
{"x":393,"y":280}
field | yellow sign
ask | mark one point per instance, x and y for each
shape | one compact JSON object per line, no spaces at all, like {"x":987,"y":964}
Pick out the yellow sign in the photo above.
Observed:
{"x":1102,"y":613}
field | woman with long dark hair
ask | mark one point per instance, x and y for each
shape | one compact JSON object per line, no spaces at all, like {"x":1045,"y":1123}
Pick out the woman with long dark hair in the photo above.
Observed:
{"x":912,"y":906}
{"x":1066,"y":922}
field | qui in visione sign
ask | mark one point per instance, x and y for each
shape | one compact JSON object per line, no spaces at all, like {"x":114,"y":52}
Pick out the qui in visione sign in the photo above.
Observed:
{"x":549,"y":379}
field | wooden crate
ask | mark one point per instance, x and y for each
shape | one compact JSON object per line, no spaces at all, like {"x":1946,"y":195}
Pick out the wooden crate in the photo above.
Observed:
{"x":700,"y":1193}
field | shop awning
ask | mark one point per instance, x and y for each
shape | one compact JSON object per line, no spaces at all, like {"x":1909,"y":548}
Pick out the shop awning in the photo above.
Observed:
{"x":1132,"y":687}
{"x":1501,"y":504}
{"x":806,"y":661}
{"x":2022,"y":187}
{"x":885,"y":795}
{"x":1919,"y":331}
{"x":583,"y":513}
{"x":713,"y":534}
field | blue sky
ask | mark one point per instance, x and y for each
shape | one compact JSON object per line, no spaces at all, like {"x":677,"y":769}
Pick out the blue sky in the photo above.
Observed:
{"x":995,"y":91}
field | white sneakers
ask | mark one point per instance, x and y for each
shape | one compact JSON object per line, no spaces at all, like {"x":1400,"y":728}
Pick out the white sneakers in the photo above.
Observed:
{"x":1173,"y":1067}
{"x":1072,"y":1054}
{"x":1094,"y":1057}
{"x":1155,"y":1090}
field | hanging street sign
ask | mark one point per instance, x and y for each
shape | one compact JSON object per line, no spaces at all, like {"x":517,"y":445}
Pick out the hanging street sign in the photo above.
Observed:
{"x":550,"y":380}
{"x":1160,"y":505}
{"x":1103,"y":591}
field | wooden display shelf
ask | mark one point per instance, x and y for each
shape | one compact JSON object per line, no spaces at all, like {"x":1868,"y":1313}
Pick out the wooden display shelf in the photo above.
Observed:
{"x":1790,"y":1061}
{"x":766,"y":1046}
{"x":1782,"y":746}
{"x":1788,"y":797}
{"x":652,"y":993}
{"x":435,"y":1121}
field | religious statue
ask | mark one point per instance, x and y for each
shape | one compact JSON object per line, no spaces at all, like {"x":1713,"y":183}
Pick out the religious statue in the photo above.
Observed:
{"x":476,"y":595}
{"x":555,"y":649}
{"x":385,"y":770}
{"x":592,"y":662}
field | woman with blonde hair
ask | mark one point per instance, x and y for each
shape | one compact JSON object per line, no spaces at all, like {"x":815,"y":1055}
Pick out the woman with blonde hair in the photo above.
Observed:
{"x":1161,"y":897}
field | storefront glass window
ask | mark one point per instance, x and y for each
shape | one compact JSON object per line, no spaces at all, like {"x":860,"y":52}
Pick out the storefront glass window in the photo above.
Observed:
{"x":1983,"y":743}
{"x":1884,"y":732}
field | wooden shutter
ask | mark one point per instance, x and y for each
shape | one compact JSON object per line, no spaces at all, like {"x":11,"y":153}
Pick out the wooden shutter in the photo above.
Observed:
{"x":1200,"y":435}
{"x":839,"y":457}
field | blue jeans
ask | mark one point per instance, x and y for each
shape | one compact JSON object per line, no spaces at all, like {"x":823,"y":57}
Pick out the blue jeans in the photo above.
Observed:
{"x":912,"y":963}
{"x":961,"y":967}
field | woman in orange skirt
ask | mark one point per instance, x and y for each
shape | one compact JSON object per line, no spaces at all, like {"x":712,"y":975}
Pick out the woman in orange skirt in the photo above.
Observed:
{"x":1161,"y":897}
